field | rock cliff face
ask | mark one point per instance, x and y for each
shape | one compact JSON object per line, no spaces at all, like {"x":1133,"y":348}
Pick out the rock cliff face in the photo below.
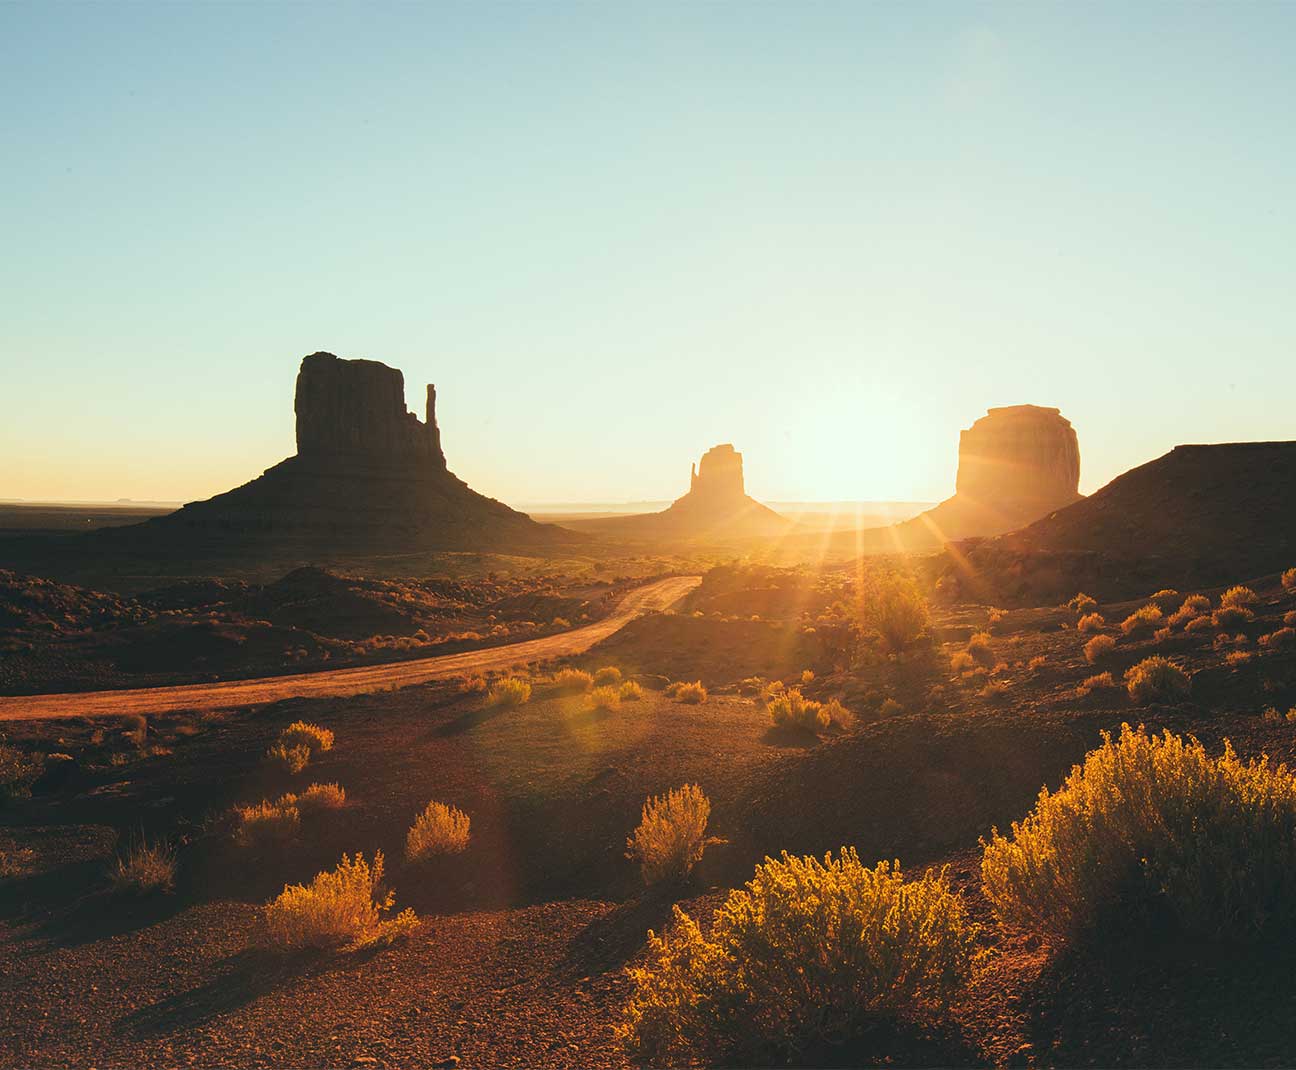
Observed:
{"x":719,"y":475}
{"x":367,"y":475}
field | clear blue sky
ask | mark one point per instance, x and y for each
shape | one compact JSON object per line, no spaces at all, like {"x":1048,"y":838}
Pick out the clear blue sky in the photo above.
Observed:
{"x":614,"y":235}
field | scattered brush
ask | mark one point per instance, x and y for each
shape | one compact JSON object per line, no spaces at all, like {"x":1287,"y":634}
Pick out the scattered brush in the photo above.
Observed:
{"x":607,"y":676}
{"x":607,"y":697}
{"x":320,"y":797}
{"x":1157,"y":679}
{"x":1103,"y":681}
{"x":438,"y":830}
{"x":1082,"y":604}
{"x":1091,"y":622}
{"x":1232,"y":616}
{"x":890,"y":708}
{"x":146,"y":866}
{"x":631,"y":691}
{"x":1147,"y":616}
{"x":18,"y":772}
{"x":1282,"y":639}
{"x":1289,"y":581}
{"x":1098,"y":647}
{"x":572,"y":681}
{"x":312,"y":736}
{"x":340,"y":908}
{"x":509,"y":691}
{"x":980,"y":649}
{"x":1238,"y":597}
{"x":267,"y":822}
{"x":693,"y":694}
{"x":291,"y":759}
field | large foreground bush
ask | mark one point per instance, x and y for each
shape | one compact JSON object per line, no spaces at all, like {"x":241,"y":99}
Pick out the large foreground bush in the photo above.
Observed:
{"x":804,"y":956}
{"x":339,"y":908}
{"x":1152,"y":826}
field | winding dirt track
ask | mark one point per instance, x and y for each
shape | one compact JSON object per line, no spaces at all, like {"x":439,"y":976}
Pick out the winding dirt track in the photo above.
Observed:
{"x":333,"y":682}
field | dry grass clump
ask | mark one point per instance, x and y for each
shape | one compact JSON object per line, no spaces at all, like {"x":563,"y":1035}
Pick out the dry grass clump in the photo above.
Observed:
{"x":1036,"y":663}
{"x":572,"y":681}
{"x":605,"y":698}
{"x":1082,"y":604}
{"x":961,"y":661}
{"x":1145,"y":617}
{"x":1103,"y":681}
{"x":312,"y":736}
{"x":631,"y":691}
{"x":1238,"y":597}
{"x":292,"y":759}
{"x":1237,"y":657}
{"x":472,"y":685}
{"x":808,"y":954}
{"x":1289,"y":619}
{"x":793,"y":711}
{"x":1282,"y":639}
{"x":1152,"y":827}
{"x":840,"y":719}
{"x":509,"y":691}
{"x":1289,"y":581}
{"x":671,"y":836}
{"x":339,"y":908}
{"x":1199,"y":624}
{"x":981,"y":651}
{"x":1091,"y":622}
{"x":1192,"y":607}
{"x":607,"y":675}
{"x":995,"y":691}
{"x":145,"y":866}
{"x":890,"y":708}
{"x":267,"y":822}
{"x":18,"y":772}
{"x":319,"y":797}
{"x":1098,"y":647}
{"x":693,"y":694}
{"x":438,"y":830}
{"x":895,"y":610}
{"x":1231,"y":616}
{"x":1157,"y":679}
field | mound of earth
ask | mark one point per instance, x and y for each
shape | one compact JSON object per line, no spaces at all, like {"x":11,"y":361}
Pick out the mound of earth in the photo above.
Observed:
{"x":1200,"y":515}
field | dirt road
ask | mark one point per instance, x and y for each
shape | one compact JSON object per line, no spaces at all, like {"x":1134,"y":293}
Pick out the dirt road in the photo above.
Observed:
{"x":334,"y":682}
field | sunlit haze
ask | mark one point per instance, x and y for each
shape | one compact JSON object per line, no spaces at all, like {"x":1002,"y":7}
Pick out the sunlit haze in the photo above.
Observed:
{"x":615,"y":236}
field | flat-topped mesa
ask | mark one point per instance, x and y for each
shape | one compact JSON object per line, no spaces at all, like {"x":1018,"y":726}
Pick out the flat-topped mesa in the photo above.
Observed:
{"x":719,"y":475}
{"x":1019,"y":453}
{"x":355,"y":410}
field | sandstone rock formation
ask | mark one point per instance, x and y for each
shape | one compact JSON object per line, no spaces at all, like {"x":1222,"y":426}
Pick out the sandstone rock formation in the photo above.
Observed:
{"x":1016,"y":464}
{"x":367,"y":475}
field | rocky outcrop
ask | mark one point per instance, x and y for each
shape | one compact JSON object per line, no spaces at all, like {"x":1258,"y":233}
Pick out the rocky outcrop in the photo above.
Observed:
{"x":719,"y":475}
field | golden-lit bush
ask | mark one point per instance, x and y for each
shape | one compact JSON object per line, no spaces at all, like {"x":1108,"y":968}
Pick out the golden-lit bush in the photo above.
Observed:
{"x":1199,"y":624}
{"x":267,"y":822}
{"x":303,"y":733}
{"x":1238,"y":597}
{"x":1166,"y":594}
{"x":1098,"y":647}
{"x":894,"y":609}
{"x":607,"y":697}
{"x":631,"y":691}
{"x":1145,"y":617}
{"x":607,"y":675}
{"x":1036,"y":663}
{"x":1152,"y":825}
{"x":1282,"y":639}
{"x":671,"y":836}
{"x":980,"y":649}
{"x":890,"y":708}
{"x":438,"y":830}
{"x":509,"y":691}
{"x":1091,"y":622}
{"x":1237,"y":657}
{"x":1193,"y":606}
{"x":792,"y":710}
{"x":572,"y":681}
{"x":1103,"y":681}
{"x":1289,"y":619}
{"x":1289,"y":581}
{"x":808,"y":954}
{"x":1232,"y":616}
{"x":1082,"y":604}
{"x":292,"y":759}
{"x":472,"y":685}
{"x":339,"y":908}
{"x":995,"y":691}
{"x":18,"y":772}
{"x":145,"y":866}
{"x":807,"y":676}
{"x":840,"y":719}
{"x":693,"y":694}
{"x":319,"y":797}
{"x":1157,"y":679}
{"x":961,"y":661}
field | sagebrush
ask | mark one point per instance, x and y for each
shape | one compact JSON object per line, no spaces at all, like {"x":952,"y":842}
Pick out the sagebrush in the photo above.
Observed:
{"x":340,"y":908}
{"x":671,"y":836}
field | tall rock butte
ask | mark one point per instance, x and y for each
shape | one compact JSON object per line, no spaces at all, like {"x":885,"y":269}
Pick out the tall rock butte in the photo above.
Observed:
{"x":367,"y":474}
{"x":1016,"y":464}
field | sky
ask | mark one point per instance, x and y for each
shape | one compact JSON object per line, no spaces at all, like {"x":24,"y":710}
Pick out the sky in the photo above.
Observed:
{"x":614,"y":235}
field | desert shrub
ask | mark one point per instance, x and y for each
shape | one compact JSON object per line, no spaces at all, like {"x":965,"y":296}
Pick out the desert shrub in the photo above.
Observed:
{"x":1166,"y":594}
{"x":605,"y":698}
{"x":1237,"y":657}
{"x":995,"y":615}
{"x":509,"y":691}
{"x":438,"y":830}
{"x":792,"y":710}
{"x":609,"y":674}
{"x":18,"y":772}
{"x":292,"y":759}
{"x":807,"y":676}
{"x":961,"y":661}
{"x":806,"y":955}
{"x":1036,"y":663}
{"x":1157,"y":679}
{"x":1289,"y":581}
{"x":1098,"y":647}
{"x":671,"y":836}
{"x":1289,"y":619}
{"x":1144,"y":617}
{"x":1091,"y":622}
{"x":145,"y":866}
{"x":839,"y":717}
{"x":890,"y":708}
{"x":896,"y":611}
{"x":1192,"y":607}
{"x":693,"y":694}
{"x":267,"y":822}
{"x":995,"y":691}
{"x":339,"y":908}
{"x":631,"y":691}
{"x":572,"y":680}
{"x":1239,"y":596}
{"x":319,"y":797}
{"x":1199,"y":624}
{"x":472,"y":685}
{"x":1161,"y":635}
{"x":1082,"y":604}
{"x":1282,"y":639}
{"x":1103,"y":681}
{"x":1232,"y":616}
{"x":980,"y":649}
{"x":1152,"y":825}
{"x":303,"y":733}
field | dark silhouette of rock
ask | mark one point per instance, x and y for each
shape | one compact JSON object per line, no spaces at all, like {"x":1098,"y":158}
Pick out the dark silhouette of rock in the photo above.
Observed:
{"x":719,"y":475}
